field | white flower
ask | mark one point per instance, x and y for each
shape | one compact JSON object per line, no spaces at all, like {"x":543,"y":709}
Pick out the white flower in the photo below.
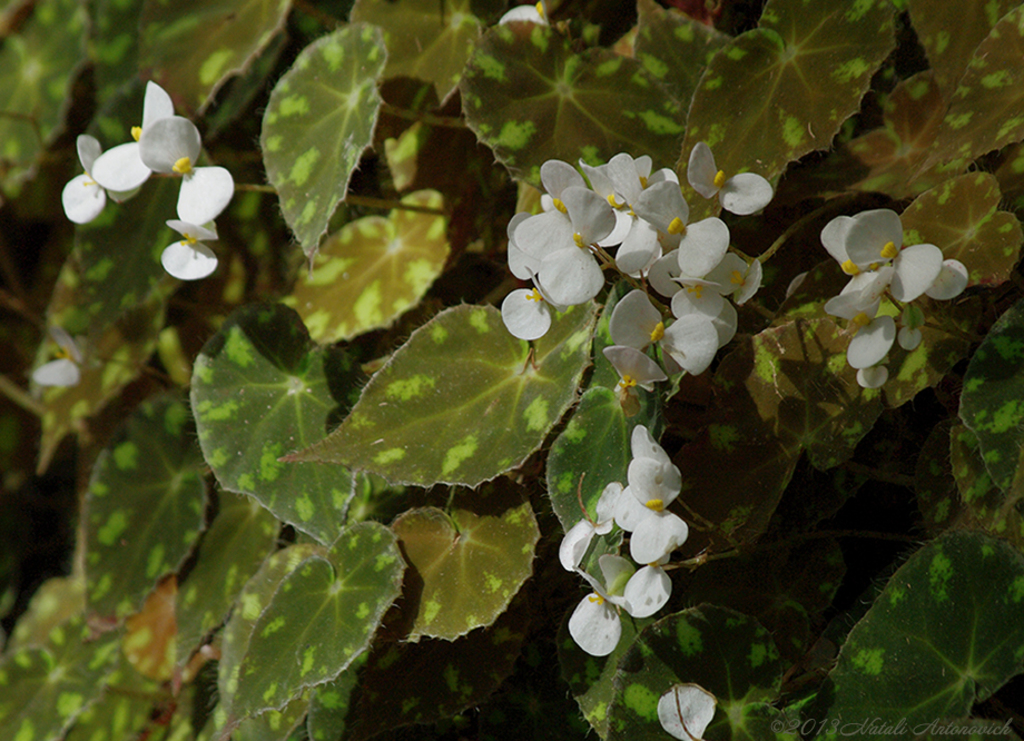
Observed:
{"x":171,"y":146}
{"x":951,"y":282}
{"x":532,"y":13}
{"x":121,"y":169}
{"x":872,"y":342}
{"x":189,"y":258}
{"x":744,"y":193}
{"x":635,"y":322}
{"x":83,"y":198}
{"x":873,"y":377}
{"x":734,"y":276}
{"x":686,"y":710}
{"x":655,"y":482}
{"x":576,"y":542}
{"x":64,"y":371}
{"x":634,"y":369}
{"x":648,"y":589}
{"x":595,"y":624}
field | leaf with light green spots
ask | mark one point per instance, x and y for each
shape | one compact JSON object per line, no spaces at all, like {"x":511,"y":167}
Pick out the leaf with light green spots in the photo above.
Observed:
{"x":261,"y":389}
{"x":981,"y":504}
{"x":146,"y":503}
{"x":936,"y":490}
{"x":962,"y":218}
{"x":253,"y":600}
{"x":406,"y":683}
{"x":945,"y":633}
{"x":462,"y":401}
{"x":240,"y":537}
{"x":987,"y":109}
{"x":43,"y":690}
{"x":318,"y":121}
{"x":470,"y":561}
{"x":674,"y":48}
{"x":55,"y":602}
{"x":114,"y":45}
{"x":191,"y":47}
{"x":322,"y":616}
{"x":424,"y":39}
{"x":530,"y":99}
{"x":123,"y":711}
{"x":727,"y":653}
{"x":37,"y":68}
{"x":372,"y":271}
{"x":950,"y":34}
{"x":992,"y":402}
{"x":782,"y":90}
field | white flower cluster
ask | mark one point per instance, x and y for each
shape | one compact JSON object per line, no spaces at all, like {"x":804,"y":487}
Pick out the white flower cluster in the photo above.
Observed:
{"x":640,"y":509}
{"x":643,"y":216}
{"x":868,"y":247}
{"x":165,"y":144}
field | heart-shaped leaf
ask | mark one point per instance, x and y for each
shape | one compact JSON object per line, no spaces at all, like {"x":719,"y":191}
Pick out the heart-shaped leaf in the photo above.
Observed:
{"x":318,"y":121}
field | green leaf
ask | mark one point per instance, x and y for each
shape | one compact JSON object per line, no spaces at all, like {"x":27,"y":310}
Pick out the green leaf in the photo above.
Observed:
{"x":114,"y":48}
{"x":727,"y":653}
{"x":192,"y":47}
{"x":240,"y":537}
{"x":261,"y":389}
{"x":425,"y":39}
{"x":55,"y":602}
{"x":318,"y":121}
{"x":373,"y":270}
{"x":37,"y":68}
{"x":462,"y":401}
{"x":945,"y":633}
{"x":984,"y":506}
{"x":992,"y":402}
{"x":782,"y":90}
{"x":322,"y":616}
{"x":43,"y":690}
{"x":530,"y":99}
{"x":987,"y":109}
{"x":146,"y":503}
{"x":468,"y":562}
{"x":122,"y":712}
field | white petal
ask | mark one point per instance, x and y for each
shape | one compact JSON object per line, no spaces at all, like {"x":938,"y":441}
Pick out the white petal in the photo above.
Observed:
{"x":61,"y":372}
{"x":916,"y":269}
{"x":595,"y":626}
{"x":591,"y":216}
{"x":702,"y":247}
{"x":629,"y":512}
{"x":557,"y":175}
{"x":205,"y":194}
{"x":527,"y":13}
{"x":686,"y":710}
{"x":629,"y":361}
{"x":662,"y":272}
{"x":726,"y":323}
{"x":83,"y":199}
{"x":571,"y":276}
{"x":623,"y":226}
{"x":872,"y":343}
{"x":951,"y":281}
{"x":647,"y":591}
{"x":745,"y":193}
{"x":201,"y":233}
{"x":870,"y":232}
{"x":606,"y":507}
{"x":188,"y":262}
{"x":640,"y":248}
{"x":692,"y":341}
{"x":651,"y":479}
{"x":166,"y":141}
{"x":617,"y":571}
{"x":540,"y":235}
{"x":121,"y":168}
{"x":643,"y":445}
{"x":702,"y":300}
{"x":65,"y":342}
{"x":661,"y":204}
{"x":623,"y":172}
{"x":751,"y":282}
{"x":633,"y":320}
{"x":909,"y":338}
{"x":89,"y":151}
{"x":873,"y":377}
{"x":525,"y":317}
{"x":522,"y":265}
{"x":157,"y":104}
{"x":701,"y":170}
{"x":575,"y":544}
{"x":833,"y":237}
{"x":656,"y":536}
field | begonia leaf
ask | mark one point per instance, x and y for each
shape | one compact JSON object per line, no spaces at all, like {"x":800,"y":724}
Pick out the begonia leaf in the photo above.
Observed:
{"x":987,"y":110}
{"x":331,"y":705}
{"x":983,"y":505}
{"x":240,"y":537}
{"x":151,"y":634}
{"x":962,"y":218}
{"x":323,"y":615}
{"x":191,"y":47}
{"x":992,"y":402}
{"x":122,"y":712}
{"x":37,"y":68}
{"x":782,"y":90}
{"x":372,"y":271}
{"x":462,"y":401}
{"x":531,"y":99}
{"x":55,"y":602}
{"x":468,"y":562}
{"x":43,"y":690}
{"x":114,"y":44}
{"x":261,"y":389}
{"x":727,"y":653}
{"x":318,"y":121}
{"x":936,"y":490}
{"x":944,"y":634}
{"x":425,"y":39}
{"x":145,"y":506}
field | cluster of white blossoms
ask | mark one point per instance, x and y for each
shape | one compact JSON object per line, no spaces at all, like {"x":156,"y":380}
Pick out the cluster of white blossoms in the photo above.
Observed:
{"x":644,"y":218}
{"x":640,"y":508}
{"x":868,"y":247}
{"x":165,"y":144}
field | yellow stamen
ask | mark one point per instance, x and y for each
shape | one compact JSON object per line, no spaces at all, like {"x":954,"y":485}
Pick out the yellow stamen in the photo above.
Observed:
{"x":188,"y":240}
{"x":719,"y":179}
{"x":534,"y":295}
{"x":88,"y":180}
{"x":658,"y":332}
{"x":136,"y":132}
{"x":627,"y":382}
{"x":613,"y":203}
{"x":861,"y":320}
{"x":850,"y":268}
{"x":183,"y":166}
{"x":643,"y":182}
{"x":889,"y":251}
{"x":595,"y":597}
{"x":557,"y":202}
{"x":676,"y":226}
{"x":697,"y":290}
{"x":737,"y":278}
{"x":656,"y":504}
{"x":540,"y":9}
{"x":578,"y":239}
